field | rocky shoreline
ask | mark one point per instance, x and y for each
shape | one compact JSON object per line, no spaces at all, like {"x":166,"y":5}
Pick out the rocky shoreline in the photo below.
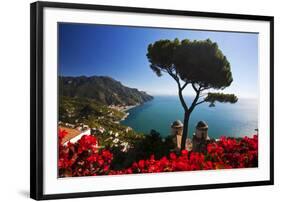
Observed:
{"x":126,"y":109}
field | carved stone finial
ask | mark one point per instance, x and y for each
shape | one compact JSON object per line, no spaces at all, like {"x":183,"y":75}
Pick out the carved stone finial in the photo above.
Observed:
{"x":200,"y":138}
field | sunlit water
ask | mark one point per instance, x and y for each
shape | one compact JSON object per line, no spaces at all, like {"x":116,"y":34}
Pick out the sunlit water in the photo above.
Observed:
{"x":226,"y":119}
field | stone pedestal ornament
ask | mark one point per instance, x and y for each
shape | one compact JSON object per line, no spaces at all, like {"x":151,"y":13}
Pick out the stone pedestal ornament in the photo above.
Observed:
{"x":200,"y":138}
{"x":176,"y":130}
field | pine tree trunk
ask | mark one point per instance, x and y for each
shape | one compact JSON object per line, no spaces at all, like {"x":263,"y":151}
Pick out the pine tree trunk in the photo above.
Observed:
{"x":185,"y":129}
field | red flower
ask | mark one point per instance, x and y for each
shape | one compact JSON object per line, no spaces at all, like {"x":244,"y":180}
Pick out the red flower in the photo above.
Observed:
{"x":92,"y":158}
{"x":173,"y":156}
{"x":100,"y":161}
{"x":141,"y":164}
{"x":87,"y":142}
{"x":106,"y":168}
{"x":106,"y":155}
{"x":184,"y":152}
{"x":164,"y":162}
{"x":62,"y":134}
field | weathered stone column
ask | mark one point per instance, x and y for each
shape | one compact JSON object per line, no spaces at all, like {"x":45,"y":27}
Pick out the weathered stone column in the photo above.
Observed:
{"x":200,"y":138}
{"x":177,"y":128}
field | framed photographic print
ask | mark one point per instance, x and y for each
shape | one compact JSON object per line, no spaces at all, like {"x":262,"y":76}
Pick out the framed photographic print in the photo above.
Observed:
{"x":136,"y":100}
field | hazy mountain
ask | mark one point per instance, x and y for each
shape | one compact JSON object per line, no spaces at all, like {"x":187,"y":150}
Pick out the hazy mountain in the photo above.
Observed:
{"x":102,"y":89}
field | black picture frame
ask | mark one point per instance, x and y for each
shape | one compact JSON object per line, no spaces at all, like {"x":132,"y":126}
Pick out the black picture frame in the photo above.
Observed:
{"x":36,"y":98}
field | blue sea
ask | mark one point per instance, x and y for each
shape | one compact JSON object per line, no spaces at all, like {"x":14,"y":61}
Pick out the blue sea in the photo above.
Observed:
{"x":232,"y":120}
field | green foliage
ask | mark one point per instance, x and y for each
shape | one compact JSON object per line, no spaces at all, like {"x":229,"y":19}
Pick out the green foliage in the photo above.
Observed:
{"x":203,"y":63}
{"x":144,"y":147}
{"x":102,"y":89}
{"x":88,"y":111}
{"x":197,"y":62}
{"x":161,"y":55}
{"x":220,"y":97}
{"x":154,"y":144}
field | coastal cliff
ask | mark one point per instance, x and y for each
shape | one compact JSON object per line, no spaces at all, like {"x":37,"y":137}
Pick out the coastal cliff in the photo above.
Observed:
{"x":102,"y":89}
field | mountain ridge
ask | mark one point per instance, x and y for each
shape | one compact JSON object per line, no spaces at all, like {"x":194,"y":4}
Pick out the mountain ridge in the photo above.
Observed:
{"x":103,"y":89}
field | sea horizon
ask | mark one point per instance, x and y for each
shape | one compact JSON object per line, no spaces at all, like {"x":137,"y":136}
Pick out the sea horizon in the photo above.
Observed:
{"x":230,"y":120}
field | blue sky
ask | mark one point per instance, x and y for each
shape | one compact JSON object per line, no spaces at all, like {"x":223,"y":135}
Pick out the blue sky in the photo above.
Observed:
{"x":120,"y":52}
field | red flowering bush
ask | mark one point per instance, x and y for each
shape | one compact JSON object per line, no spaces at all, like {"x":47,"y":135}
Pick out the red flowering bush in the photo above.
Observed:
{"x":233,"y":153}
{"x":83,"y":158}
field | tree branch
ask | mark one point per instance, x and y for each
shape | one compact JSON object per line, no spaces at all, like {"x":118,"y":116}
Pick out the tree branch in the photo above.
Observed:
{"x":198,"y":103}
{"x":203,"y":94}
{"x":174,"y":76}
{"x":192,"y":106}
{"x":194,"y":88}
{"x":181,"y":97}
{"x":184,"y":85}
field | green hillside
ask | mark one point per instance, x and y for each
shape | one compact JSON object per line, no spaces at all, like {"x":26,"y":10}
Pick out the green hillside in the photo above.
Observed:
{"x":102,"y":89}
